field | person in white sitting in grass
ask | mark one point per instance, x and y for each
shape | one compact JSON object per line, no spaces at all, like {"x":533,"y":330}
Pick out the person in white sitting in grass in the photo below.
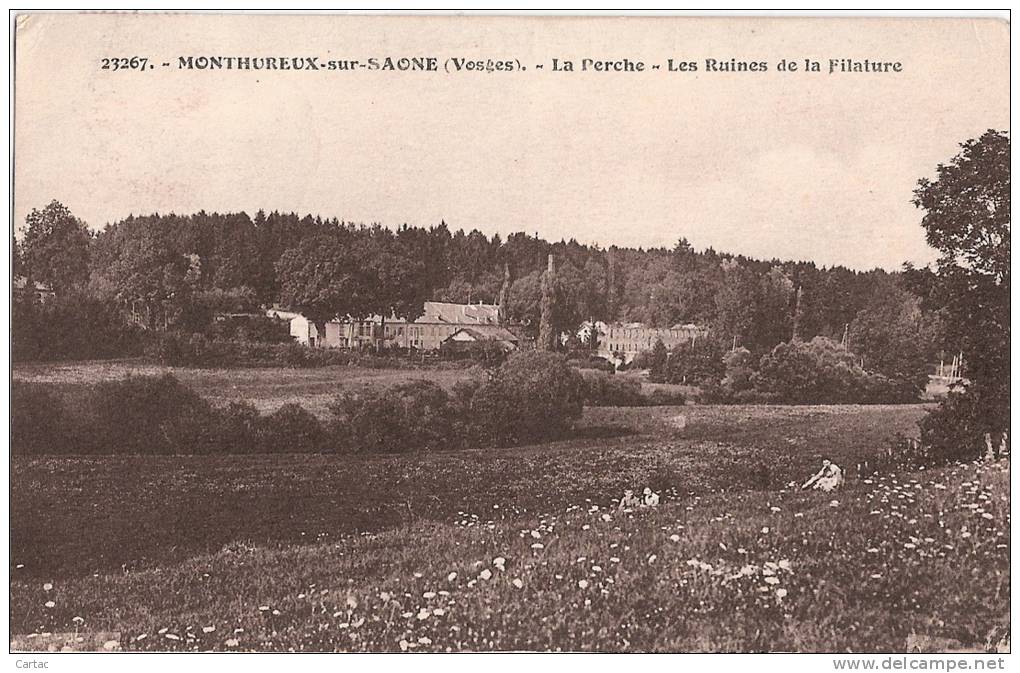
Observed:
{"x":829,"y":478}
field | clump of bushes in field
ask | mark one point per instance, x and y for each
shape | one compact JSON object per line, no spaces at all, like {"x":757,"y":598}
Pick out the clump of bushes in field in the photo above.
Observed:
{"x":692,"y":363}
{"x":823,"y":372}
{"x":603,"y":390}
{"x":532,"y":397}
{"x":152,"y":415}
{"x":404,"y":417}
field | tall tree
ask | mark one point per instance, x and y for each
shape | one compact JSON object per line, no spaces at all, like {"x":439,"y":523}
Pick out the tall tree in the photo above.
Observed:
{"x":55,"y":250}
{"x":967,"y":220}
{"x":397,"y":277}
{"x":967,"y":208}
{"x":323,"y":277}
{"x":773,"y":316}
{"x":796,"y":335}
{"x":892,"y":336}
{"x":735,"y":303}
{"x":548,"y":336}
{"x":143,"y":262}
{"x":504,"y":295}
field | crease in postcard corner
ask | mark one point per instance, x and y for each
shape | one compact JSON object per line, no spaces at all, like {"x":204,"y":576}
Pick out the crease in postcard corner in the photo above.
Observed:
{"x":29,"y":29}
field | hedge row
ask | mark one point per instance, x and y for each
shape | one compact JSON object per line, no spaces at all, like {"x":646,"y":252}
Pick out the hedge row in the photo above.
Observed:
{"x":532,"y":397}
{"x":197,"y":350}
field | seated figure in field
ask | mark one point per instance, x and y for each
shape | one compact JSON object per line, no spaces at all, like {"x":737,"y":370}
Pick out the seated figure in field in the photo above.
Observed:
{"x":651,"y":498}
{"x":629,"y":500}
{"x":829,"y":478}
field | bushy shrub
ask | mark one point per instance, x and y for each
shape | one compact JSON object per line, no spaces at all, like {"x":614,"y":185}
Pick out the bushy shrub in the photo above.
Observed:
{"x":955,"y":430}
{"x":822,"y":372}
{"x":148,"y":414}
{"x":694,"y":363}
{"x":740,"y":367}
{"x":603,"y":390}
{"x":153,"y":415}
{"x":535,"y":395}
{"x":240,"y":429}
{"x":402,"y":418}
{"x":291,"y":429}
{"x":800,"y":373}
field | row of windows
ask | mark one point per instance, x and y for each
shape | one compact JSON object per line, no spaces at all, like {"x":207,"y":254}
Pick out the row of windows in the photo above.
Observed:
{"x":367,"y":329}
{"x":640,"y":334}
{"x":643,"y":344}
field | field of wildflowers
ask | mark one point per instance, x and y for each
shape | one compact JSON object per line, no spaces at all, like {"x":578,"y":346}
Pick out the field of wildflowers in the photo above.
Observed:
{"x":524,"y":549}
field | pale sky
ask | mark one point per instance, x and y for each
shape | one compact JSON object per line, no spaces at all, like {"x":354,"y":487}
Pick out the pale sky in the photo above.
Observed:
{"x":799,"y":165}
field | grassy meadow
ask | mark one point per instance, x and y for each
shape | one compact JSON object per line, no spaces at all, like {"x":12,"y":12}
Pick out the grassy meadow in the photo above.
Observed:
{"x":514,"y":549}
{"x":268,"y":388}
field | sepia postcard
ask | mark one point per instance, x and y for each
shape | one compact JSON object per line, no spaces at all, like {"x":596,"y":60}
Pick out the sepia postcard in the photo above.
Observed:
{"x":436,"y":333}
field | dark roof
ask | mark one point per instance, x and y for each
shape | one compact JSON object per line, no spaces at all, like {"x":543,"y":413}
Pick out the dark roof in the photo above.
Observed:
{"x":487,"y":333}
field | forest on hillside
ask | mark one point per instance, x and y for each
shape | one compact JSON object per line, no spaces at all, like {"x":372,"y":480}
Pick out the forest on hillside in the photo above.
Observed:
{"x":174,"y":272}
{"x":161,"y":285}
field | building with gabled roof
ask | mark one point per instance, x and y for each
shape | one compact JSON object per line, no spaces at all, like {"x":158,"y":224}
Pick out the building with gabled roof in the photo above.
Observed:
{"x":459,"y":314}
{"x":466,"y":338}
{"x":439,"y":320}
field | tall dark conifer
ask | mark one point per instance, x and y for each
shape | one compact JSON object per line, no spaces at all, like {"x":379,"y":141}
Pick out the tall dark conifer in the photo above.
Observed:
{"x":547,"y":327}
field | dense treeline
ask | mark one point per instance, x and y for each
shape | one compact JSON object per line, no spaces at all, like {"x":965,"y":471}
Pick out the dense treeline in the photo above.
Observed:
{"x":176,"y":272}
